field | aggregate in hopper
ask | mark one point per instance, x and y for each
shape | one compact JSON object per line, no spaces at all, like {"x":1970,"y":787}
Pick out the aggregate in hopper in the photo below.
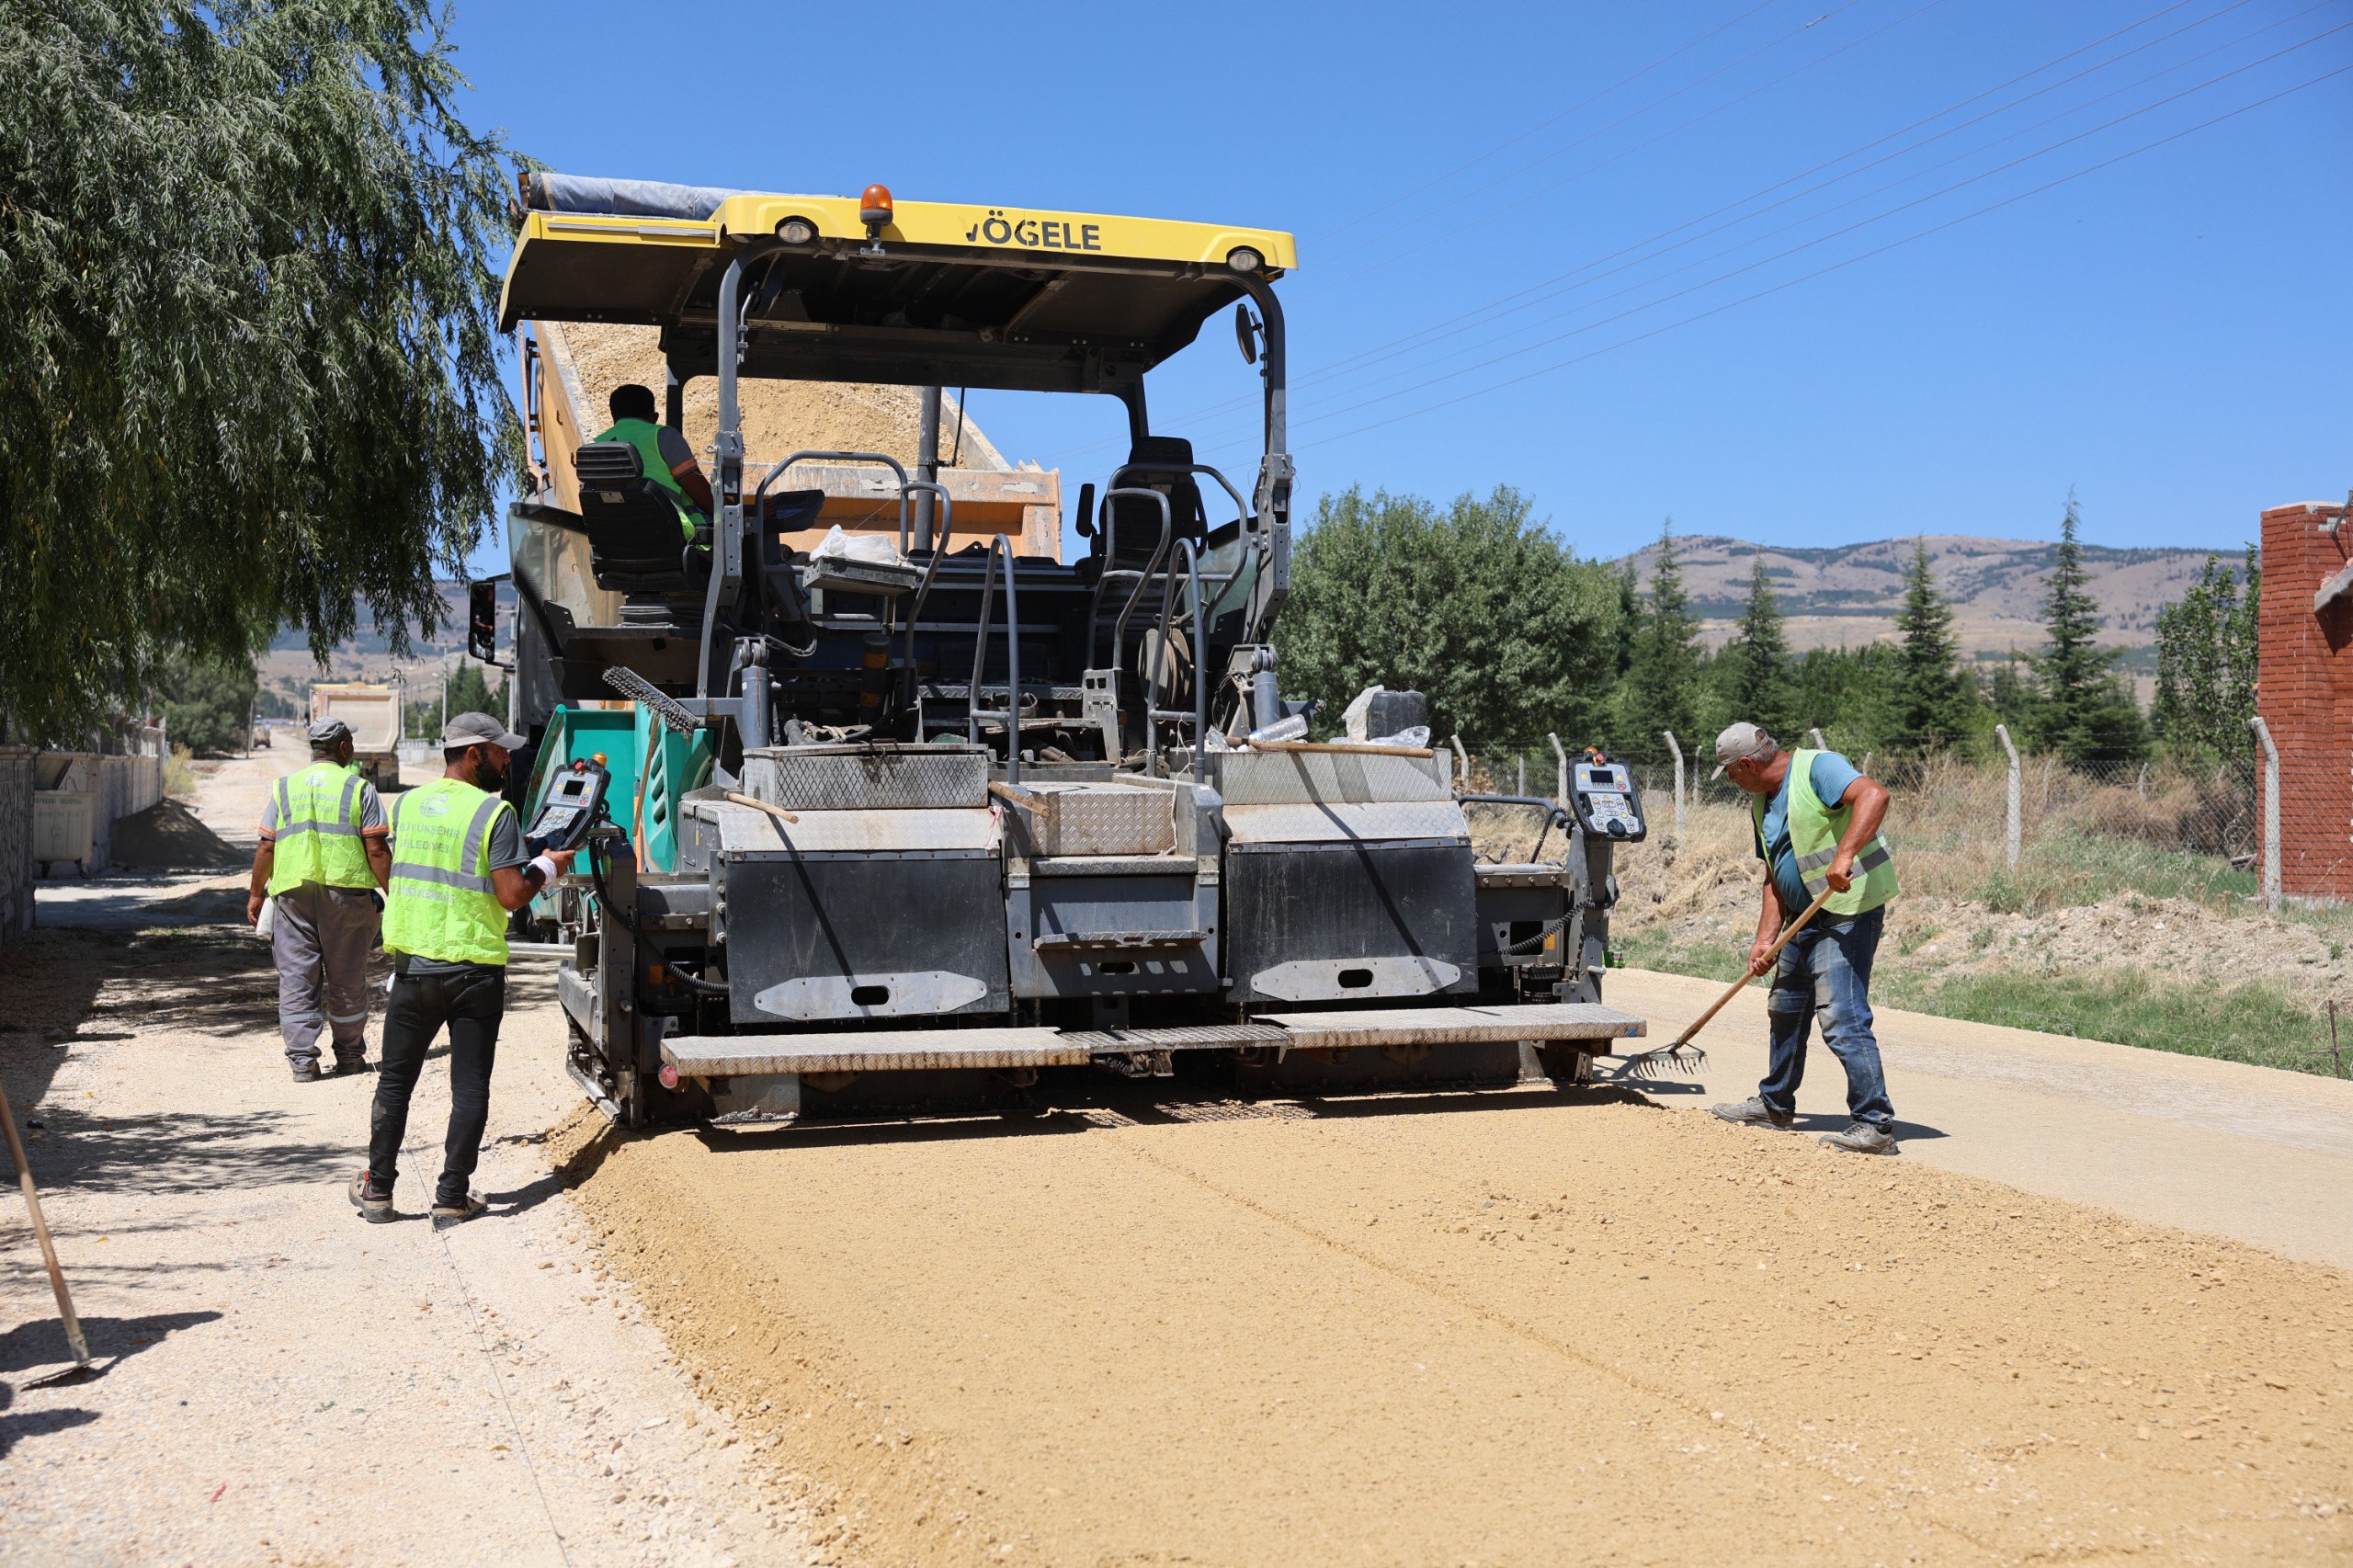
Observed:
{"x":894,"y":830}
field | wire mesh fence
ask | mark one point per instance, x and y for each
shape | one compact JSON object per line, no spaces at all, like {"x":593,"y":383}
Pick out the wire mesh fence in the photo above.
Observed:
{"x":1958,"y":805}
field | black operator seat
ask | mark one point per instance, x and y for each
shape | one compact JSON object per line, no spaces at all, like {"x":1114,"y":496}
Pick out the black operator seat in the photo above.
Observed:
{"x":635,"y":543}
{"x":1156,"y":462}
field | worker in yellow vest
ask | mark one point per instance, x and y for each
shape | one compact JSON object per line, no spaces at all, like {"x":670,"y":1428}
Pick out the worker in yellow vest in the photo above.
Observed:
{"x":1816,"y":820}
{"x":669,"y":460}
{"x":323,"y":858}
{"x":459,"y":868}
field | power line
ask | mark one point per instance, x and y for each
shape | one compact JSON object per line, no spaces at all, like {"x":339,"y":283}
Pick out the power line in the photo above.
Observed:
{"x":1380,"y":352}
{"x":1632,"y":114}
{"x":1406,"y":344}
{"x":1627,"y":153}
{"x":1891,"y":184}
{"x":1542,"y":124}
{"x":1819,"y":240}
{"x":1851,"y":261}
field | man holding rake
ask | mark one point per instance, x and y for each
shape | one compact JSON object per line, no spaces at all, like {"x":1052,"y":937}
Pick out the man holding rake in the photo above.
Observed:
{"x":1816,"y":820}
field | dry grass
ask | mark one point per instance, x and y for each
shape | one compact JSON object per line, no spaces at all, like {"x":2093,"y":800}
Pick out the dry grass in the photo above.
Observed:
{"x":2081,"y":841}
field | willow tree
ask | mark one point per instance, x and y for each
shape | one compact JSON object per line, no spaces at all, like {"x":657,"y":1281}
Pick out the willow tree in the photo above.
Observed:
{"x":247,"y":324}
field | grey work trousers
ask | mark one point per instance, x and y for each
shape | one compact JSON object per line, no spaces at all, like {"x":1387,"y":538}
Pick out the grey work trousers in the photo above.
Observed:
{"x":321,"y":941}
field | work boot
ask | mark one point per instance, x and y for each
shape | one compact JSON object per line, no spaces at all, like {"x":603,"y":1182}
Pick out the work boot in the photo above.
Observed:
{"x":448,"y":1214}
{"x":1861,"y":1138}
{"x":376,"y":1210}
{"x":1754,"y":1112}
{"x":345,"y":1066}
{"x":306,"y":1072}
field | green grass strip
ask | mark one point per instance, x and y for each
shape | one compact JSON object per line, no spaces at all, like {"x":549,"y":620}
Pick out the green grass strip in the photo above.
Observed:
{"x":2255,"y":1023}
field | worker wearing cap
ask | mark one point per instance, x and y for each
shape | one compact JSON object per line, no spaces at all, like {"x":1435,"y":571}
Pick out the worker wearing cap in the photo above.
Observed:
{"x":668,"y":460}
{"x":458,"y":869}
{"x":1816,"y":820}
{"x":323,"y":856}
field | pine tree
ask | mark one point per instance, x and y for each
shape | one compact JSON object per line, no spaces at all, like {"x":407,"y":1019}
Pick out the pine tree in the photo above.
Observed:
{"x":1752,"y":670}
{"x":2082,"y":711}
{"x":1660,"y":687}
{"x":1933,"y":704}
{"x":2205,"y":666}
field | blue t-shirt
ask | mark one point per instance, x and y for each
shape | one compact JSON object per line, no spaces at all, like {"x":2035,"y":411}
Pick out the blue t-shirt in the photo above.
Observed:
{"x":1832,"y":775}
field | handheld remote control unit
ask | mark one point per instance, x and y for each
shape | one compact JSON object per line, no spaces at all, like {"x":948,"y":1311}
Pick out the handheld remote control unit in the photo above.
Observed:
{"x":1606,"y":801}
{"x":572,"y":805}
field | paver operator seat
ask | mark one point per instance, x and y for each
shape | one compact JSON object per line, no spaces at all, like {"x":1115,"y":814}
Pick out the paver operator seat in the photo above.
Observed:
{"x":633,"y":539}
{"x":1162,"y":464}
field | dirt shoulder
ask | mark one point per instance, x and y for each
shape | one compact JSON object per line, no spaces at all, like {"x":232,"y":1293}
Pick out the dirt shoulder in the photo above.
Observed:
{"x":279,"y":1382}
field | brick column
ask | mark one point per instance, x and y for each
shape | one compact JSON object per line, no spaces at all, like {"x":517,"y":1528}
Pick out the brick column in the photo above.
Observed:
{"x":2306,"y":694}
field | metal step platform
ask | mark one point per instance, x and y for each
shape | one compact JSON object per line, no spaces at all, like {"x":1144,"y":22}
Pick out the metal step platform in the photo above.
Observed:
{"x":887,"y":1051}
{"x":1456,"y":1026}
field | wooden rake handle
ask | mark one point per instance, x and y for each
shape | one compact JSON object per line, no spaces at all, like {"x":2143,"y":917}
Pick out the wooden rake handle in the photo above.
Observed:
{"x":1792,"y":930}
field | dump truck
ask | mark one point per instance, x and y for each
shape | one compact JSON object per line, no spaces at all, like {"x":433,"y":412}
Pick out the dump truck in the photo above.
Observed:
{"x":910,"y":826}
{"x":374,"y":714}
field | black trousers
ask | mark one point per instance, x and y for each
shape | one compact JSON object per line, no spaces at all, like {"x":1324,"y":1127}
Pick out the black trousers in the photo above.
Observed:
{"x":470,"y":1003}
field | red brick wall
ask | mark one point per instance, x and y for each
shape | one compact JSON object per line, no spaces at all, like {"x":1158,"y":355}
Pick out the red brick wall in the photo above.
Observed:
{"x":2307,"y":696}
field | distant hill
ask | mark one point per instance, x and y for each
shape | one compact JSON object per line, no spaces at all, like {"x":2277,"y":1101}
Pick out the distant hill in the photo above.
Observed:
{"x":288,"y":669}
{"x":1848,"y":595}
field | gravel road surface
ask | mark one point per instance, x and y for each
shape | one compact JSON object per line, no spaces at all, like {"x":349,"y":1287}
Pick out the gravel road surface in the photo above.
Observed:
{"x":279,"y":1382}
{"x":2097,"y":1308}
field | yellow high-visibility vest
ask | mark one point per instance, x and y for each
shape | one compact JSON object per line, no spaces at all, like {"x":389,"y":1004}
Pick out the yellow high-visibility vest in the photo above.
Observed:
{"x":318,"y":830}
{"x":439,"y":903}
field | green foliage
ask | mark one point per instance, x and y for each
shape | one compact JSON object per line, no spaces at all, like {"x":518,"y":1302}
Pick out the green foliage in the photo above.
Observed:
{"x":1660,"y":687}
{"x":469,"y":692}
{"x":1751,"y":670}
{"x":1932,"y":702}
{"x":1841,"y":691}
{"x":2257,"y":1023}
{"x":205,"y":702}
{"x":2206,"y":659}
{"x":1507,"y":634}
{"x":2082,"y":710}
{"x":248,"y":318}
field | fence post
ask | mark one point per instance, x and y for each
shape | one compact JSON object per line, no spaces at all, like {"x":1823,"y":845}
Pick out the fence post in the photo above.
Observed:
{"x":2271,"y":894}
{"x":1561,"y":755}
{"x":1815,"y":734}
{"x":2003,"y":733}
{"x":1463,"y":762}
{"x":1522,"y":789}
{"x":1866,"y":768}
{"x":1678,"y":783}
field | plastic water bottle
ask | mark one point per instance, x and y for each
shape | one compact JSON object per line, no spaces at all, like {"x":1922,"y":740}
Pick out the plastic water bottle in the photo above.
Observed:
{"x":1291,"y":729}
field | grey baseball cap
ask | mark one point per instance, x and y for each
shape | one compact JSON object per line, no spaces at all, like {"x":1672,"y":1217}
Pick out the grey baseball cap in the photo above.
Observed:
{"x":1739,"y":743}
{"x":329,"y":732}
{"x":478,"y":729}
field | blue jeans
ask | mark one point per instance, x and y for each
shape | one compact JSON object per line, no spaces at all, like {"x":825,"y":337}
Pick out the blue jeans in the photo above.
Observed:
{"x":1826,"y":969}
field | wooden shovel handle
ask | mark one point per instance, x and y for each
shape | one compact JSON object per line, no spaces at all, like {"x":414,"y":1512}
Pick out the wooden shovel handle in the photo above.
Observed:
{"x":1771,"y":953}
{"x":777,"y":811}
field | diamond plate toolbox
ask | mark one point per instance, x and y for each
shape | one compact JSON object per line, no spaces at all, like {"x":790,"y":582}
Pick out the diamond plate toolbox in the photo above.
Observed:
{"x":835,"y":778}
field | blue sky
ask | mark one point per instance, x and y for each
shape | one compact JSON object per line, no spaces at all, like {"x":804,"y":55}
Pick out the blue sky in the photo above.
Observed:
{"x":2166,"y":336}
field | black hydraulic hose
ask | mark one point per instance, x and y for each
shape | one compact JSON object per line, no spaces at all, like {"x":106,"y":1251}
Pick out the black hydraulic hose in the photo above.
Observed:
{"x":700,"y":987}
